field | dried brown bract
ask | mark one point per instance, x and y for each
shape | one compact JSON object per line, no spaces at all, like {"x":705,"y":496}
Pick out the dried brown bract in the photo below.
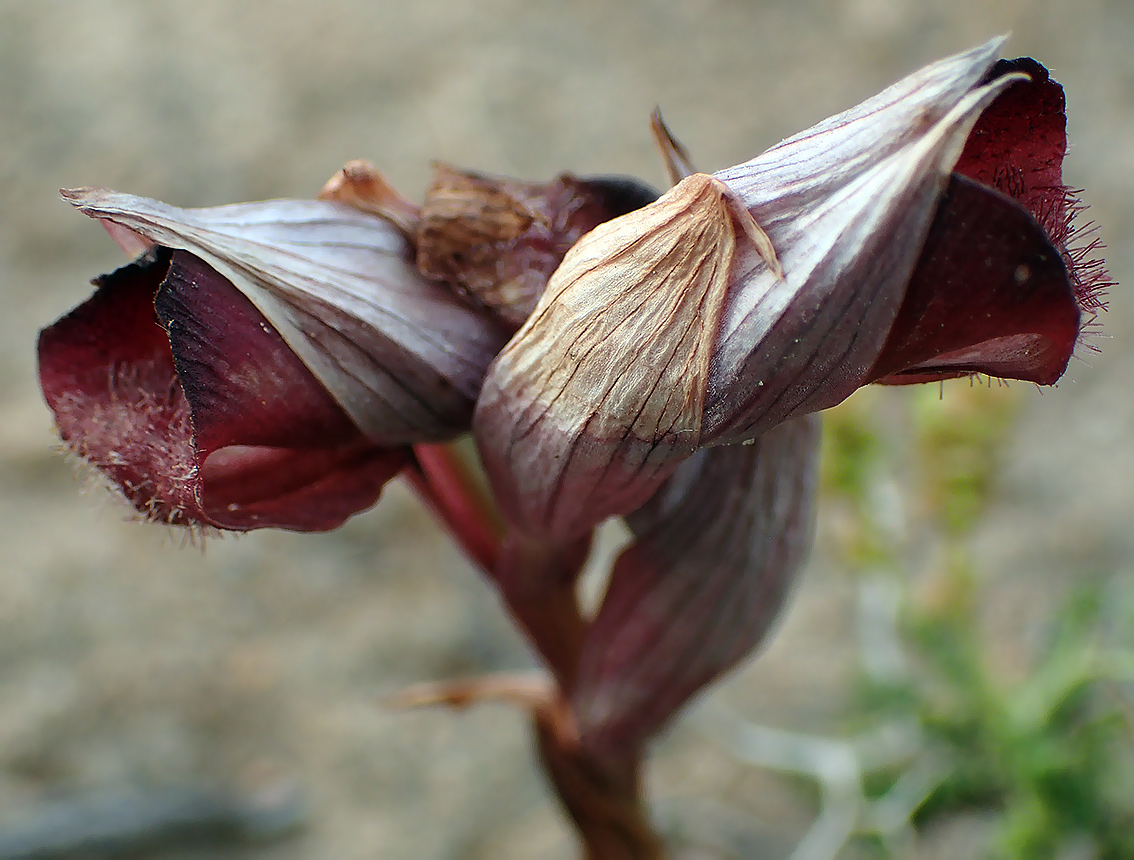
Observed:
{"x":497,"y":241}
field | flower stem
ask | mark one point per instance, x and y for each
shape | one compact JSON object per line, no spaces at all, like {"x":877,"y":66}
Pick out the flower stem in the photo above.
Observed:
{"x":537,"y":582}
{"x":441,"y":478}
{"x":602,"y":796}
{"x":601,"y":793}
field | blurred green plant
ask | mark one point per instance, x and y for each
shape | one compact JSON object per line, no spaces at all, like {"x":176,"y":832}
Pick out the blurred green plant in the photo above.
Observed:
{"x":1044,"y":753}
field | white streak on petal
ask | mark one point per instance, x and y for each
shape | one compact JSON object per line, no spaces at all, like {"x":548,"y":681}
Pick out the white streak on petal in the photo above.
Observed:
{"x":788,"y":177}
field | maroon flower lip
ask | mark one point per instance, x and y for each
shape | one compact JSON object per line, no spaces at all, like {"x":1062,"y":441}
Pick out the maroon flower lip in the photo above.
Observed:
{"x":172,"y":383}
{"x":1005,"y":277}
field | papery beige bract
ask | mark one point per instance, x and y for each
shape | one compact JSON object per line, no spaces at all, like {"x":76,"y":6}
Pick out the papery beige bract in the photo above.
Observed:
{"x":615,"y":353}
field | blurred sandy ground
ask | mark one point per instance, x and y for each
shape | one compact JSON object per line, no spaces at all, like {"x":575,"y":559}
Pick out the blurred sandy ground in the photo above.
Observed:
{"x":125,"y":660}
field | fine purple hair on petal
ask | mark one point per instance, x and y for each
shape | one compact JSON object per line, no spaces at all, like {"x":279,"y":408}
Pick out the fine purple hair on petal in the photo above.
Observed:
{"x":198,"y":411}
{"x":1003,"y":281}
{"x":1017,"y":147}
{"x":107,"y":374}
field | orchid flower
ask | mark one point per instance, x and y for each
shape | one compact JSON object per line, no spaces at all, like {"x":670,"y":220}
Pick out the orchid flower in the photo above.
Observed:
{"x":923,"y":234}
{"x":269,"y":371}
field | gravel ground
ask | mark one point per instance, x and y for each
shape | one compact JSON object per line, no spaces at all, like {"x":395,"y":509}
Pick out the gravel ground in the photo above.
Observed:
{"x":127,"y":661}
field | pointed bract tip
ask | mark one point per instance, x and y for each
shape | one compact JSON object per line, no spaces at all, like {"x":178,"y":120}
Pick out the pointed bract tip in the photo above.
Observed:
{"x":78,"y":196}
{"x":678,"y":161}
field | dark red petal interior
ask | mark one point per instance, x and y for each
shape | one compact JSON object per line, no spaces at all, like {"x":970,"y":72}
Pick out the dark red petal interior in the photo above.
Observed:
{"x":244,"y":384}
{"x":108,"y":377}
{"x":1018,"y":144}
{"x":277,"y":449}
{"x":1017,"y":147}
{"x":115,"y":326}
{"x":990,"y":294}
{"x":302,"y":490}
